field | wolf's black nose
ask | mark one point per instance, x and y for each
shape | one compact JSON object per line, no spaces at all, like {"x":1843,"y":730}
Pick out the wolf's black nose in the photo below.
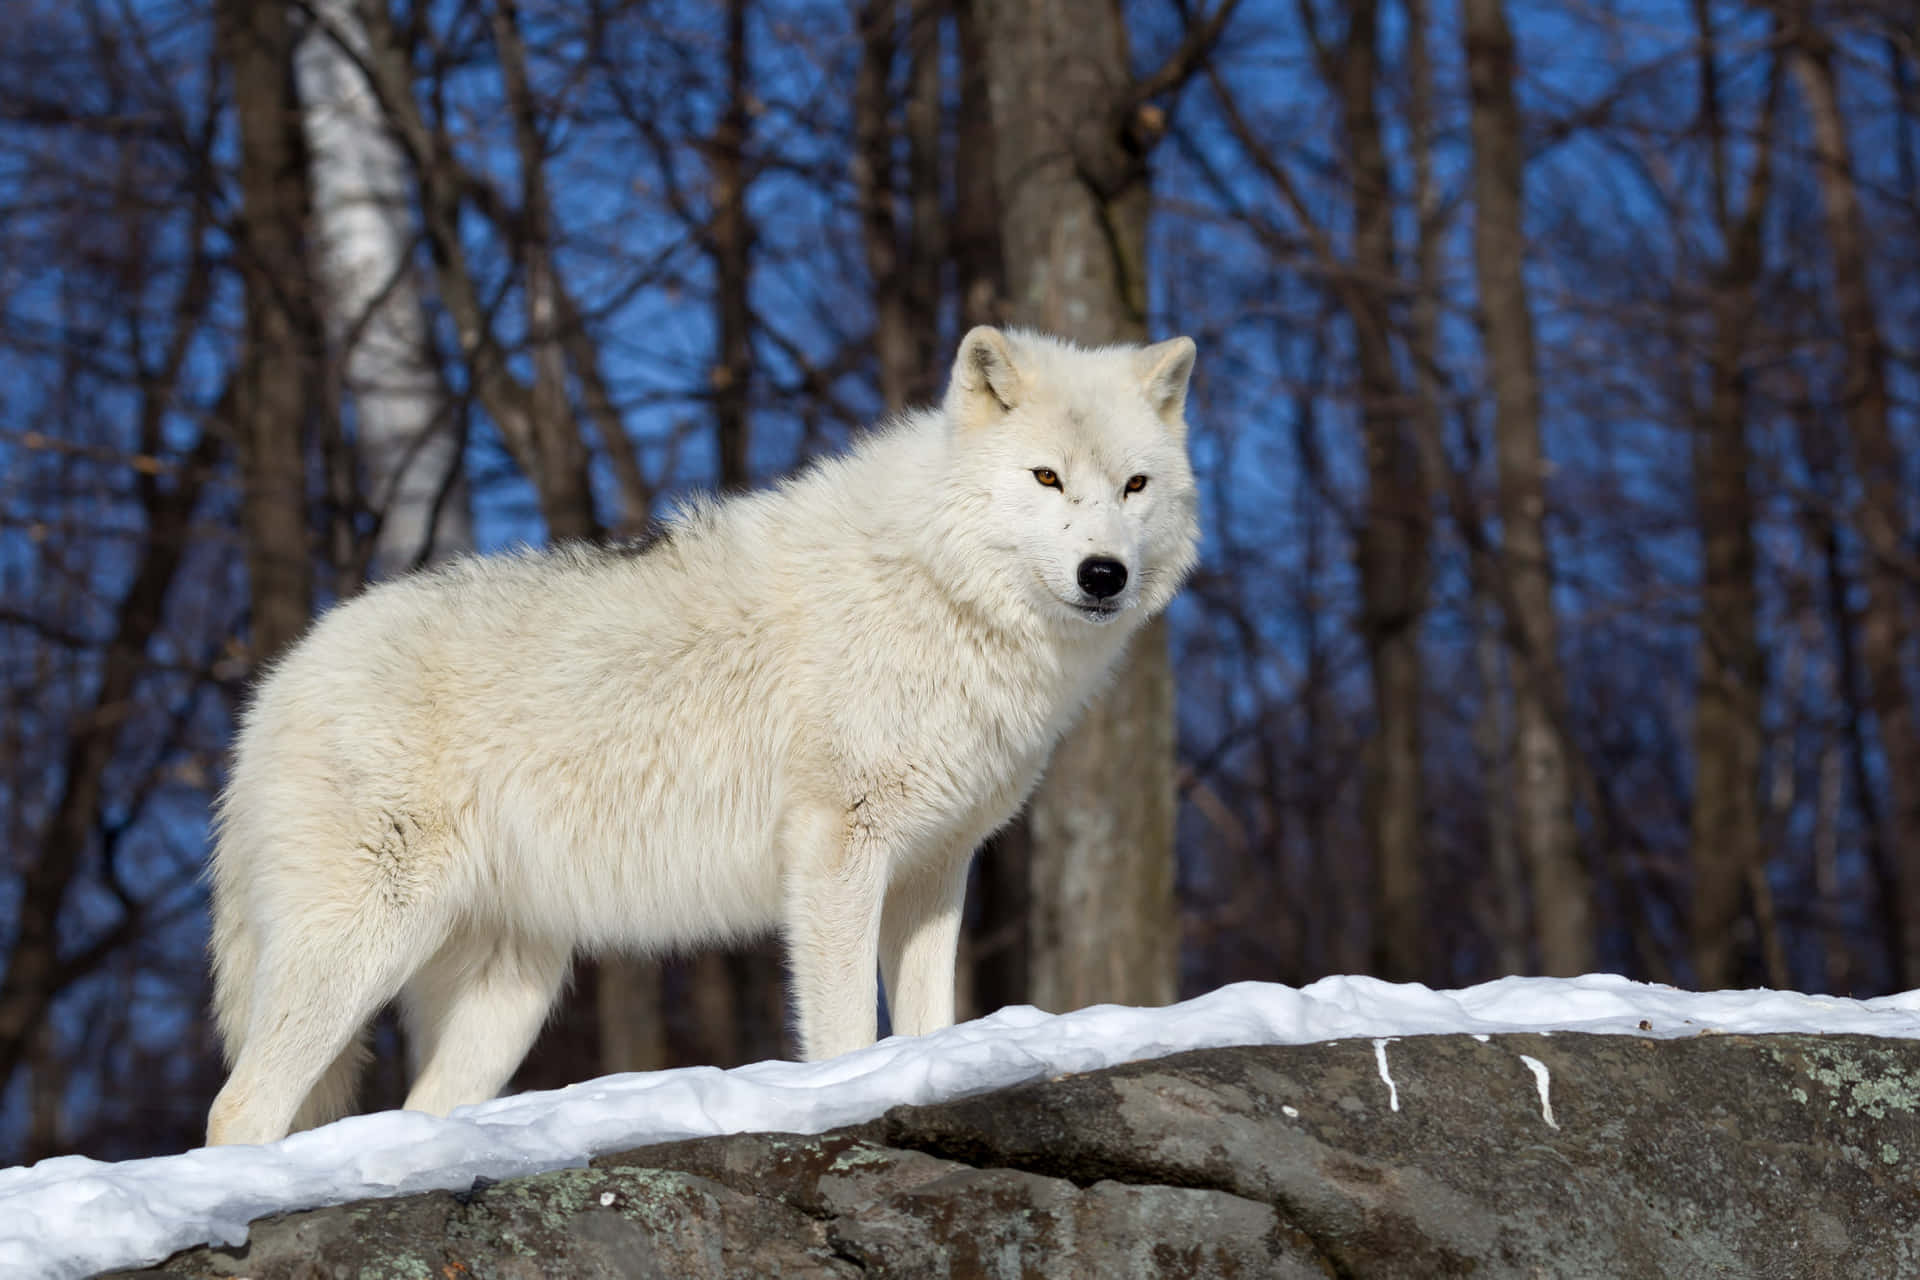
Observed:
{"x":1102,"y":578}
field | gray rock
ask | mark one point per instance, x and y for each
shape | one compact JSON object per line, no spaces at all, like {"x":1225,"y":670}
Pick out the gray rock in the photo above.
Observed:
{"x":1605,"y":1156}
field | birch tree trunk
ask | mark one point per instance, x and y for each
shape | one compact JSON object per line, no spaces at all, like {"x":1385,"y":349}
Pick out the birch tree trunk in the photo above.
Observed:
{"x":406,"y":437}
{"x":622,"y":998}
{"x":1543,"y":775}
{"x":535,"y":422}
{"x":1073,"y":212}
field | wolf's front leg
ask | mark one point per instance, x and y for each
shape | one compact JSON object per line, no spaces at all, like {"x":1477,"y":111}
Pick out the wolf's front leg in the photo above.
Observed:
{"x":835,"y":882}
{"x":919,"y":938}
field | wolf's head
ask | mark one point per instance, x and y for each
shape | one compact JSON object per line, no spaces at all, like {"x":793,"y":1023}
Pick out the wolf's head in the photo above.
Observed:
{"x":1080,"y":457}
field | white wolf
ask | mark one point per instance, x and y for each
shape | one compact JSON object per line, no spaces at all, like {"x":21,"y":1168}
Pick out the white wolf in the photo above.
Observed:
{"x":803,"y":709}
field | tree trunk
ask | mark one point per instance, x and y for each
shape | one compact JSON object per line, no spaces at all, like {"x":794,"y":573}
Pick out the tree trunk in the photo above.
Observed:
{"x":1726,"y":855}
{"x":276,"y":387}
{"x":900,"y":231}
{"x":1073,"y":209}
{"x":997,"y":942}
{"x":1726,"y":726}
{"x":732,"y":249}
{"x":1493,"y":747}
{"x":713,"y":1008}
{"x":1838,"y":965}
{"x":407,"y":437}
{"x":925,"y":204}
{"x":1885,"y":626}
{"x":549,"y":435}
{"x":974,"y":236}
{"x":1393,"y":537}
{"x":46,"y":1097}
{"x":535,"y":423}
{"x":627,"y":1009}
{"x":1821,"y":456}
{"x":1543,"y":775}
{"x":1324,"y":927}
{"x":544,"y":436}
{"x":759,"y":977}
{"x":873,"y":170}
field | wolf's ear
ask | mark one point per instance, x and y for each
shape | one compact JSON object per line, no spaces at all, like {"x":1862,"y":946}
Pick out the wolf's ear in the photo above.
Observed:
{"x":984,"y":371}
{"x":1164,"y":369}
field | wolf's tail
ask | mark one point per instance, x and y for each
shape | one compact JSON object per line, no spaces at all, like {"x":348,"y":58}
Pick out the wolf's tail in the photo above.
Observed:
{"x":235,"y":956}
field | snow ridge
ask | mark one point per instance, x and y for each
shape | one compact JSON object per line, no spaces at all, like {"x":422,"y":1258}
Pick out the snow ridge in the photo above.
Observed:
{"x":71,"y":1216}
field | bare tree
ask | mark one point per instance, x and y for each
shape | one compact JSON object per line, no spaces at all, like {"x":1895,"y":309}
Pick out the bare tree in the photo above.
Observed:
{"x":615,"y":1018}
{"x":900,"y":229}
{"x":1886,"y":632}
{"x":730,"y":235}
{"x":1071,"y":129}
{"x":1543,"y":774}
{"x":1394,"y":526}
{"x":973,"y":235}
{"x":536,"y":421}
{"x":1395,"y":529}
{"x":1726,"y":851}
{"x":996,"y":944}
{"x":37,"y":968}
{"x":276,"y":389}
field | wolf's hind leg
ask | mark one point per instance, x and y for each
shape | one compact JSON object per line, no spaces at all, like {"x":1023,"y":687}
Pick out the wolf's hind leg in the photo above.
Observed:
{"x":473,"y":1013}
{"x":319,"y":980}
{"x":333,"y":1095}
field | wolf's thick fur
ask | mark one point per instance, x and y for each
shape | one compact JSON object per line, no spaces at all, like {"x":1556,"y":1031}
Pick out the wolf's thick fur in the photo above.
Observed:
{"x":802,"y":709}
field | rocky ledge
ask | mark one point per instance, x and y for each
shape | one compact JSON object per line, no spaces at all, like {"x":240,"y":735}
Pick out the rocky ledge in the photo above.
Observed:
{"x":1515,"y":1155}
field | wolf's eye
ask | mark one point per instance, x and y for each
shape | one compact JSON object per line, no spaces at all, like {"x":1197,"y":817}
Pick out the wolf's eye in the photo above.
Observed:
{"x":1136,"y":483}
{"x":1048,"y":477}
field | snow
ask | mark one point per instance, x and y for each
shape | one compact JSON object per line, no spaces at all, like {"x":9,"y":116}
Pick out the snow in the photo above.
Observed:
{"x":1380,"y":1060}
{"x":1543,"y":1081}
{"x":71,"y":1216}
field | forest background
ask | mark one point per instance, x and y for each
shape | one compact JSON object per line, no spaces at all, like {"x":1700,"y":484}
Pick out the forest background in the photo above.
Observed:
{"x":1555,"y":420}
